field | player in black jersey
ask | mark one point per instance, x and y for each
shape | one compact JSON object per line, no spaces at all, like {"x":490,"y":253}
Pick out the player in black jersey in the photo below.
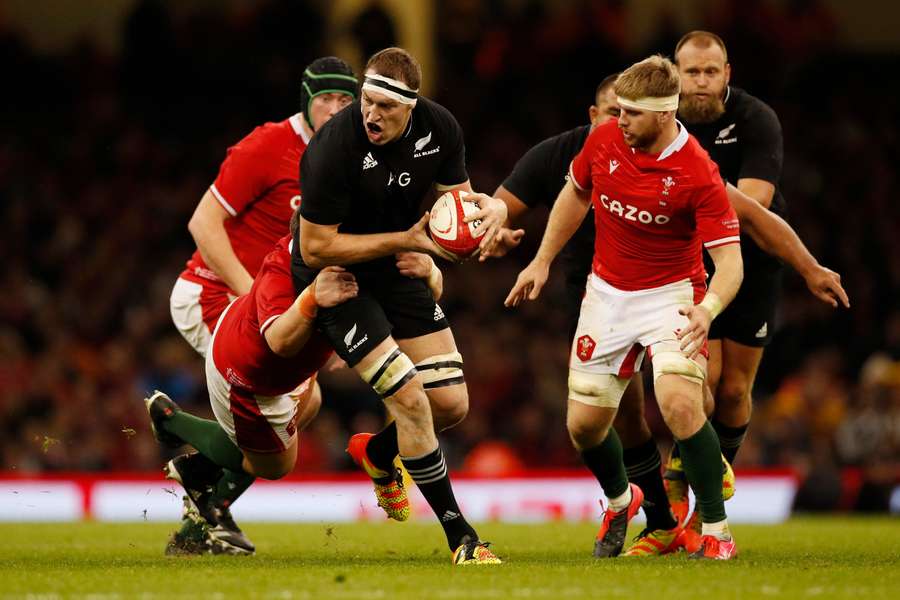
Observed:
{"x":365,"y":177}
{"x":536,"y":179}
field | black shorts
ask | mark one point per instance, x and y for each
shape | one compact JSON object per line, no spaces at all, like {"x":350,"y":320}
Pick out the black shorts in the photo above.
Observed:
{"x":386,"y":305}
{"x":750,"y":318}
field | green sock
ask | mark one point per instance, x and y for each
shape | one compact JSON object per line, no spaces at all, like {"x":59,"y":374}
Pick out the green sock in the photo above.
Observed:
{"x":702,"y":460}
{"x":207,"y":437}
{"x":230,"y":486}
{"x":605,"y":462}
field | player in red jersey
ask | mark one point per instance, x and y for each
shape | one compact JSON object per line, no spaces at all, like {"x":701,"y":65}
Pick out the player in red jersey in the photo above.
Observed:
{"x":264,"y":346}
{"x":658,"y":199}
{"x":241,"y":216}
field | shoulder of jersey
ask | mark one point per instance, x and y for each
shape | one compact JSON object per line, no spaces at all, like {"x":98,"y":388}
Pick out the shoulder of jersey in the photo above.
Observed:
{"x":267,"y":134}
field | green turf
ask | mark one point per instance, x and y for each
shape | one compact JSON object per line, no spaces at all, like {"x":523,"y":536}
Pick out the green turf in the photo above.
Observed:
{"x":805,"y":558}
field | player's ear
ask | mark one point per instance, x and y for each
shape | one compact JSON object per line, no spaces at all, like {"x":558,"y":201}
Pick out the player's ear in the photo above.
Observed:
{"x":593,"y":113}
{"x":727,"y":73}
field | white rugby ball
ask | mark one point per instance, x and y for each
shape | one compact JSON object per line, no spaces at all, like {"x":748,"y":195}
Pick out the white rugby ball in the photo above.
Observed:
{"x":448,"y":229}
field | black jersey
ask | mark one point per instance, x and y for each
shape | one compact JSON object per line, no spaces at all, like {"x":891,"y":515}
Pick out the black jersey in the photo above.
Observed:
{"x":746,"y":142}
{"x":538,"y":178}
{"x":376,"y":189}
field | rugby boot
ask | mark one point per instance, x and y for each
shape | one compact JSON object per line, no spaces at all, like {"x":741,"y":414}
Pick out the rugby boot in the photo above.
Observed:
{"x":389,"y":489}
{"x":712,"y":548}
{"x":654,"y":542}
{"x":161,"y":408}
{"x":194,"y":474}
{"x":611,"y":537}
{"x":677,"y":489}
{"x":691,"y":534}
{"x":192,"y":536}
{"x":728,"y":480}
{"x":475,"y":553}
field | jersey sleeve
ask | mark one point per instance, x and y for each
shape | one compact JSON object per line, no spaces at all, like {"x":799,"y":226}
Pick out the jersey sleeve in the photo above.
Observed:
{"x":274,"y":292}
{"x":453,"y":169}
{"x":580,"y":169}
{"x":763,"y":152}
{"x":243,"y":177}
{"x":325,"y":181}
{"x":717,"y":223}
{"x":530,"y":179}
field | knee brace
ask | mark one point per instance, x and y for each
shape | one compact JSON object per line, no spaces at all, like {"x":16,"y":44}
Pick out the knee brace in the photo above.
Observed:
{"x":390,"y":372}
{"x":596,"y":389}
{"x":441,"y":370}
{"x":676,"y":363}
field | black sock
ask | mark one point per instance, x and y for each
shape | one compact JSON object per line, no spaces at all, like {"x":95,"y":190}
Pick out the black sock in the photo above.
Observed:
{"x":730,"y":438}
{"x":642,"y":465}
{"x":430,"y":474}
{"x":382,"y":448}
{"x":605,"y":462}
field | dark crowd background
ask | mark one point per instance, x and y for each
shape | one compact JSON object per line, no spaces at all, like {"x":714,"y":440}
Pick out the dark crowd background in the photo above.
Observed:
{"x":103,"y":158}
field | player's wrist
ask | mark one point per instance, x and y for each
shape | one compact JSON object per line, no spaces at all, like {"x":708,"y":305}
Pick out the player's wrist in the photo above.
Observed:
{"x":433,"y":275}
{"x":712,"y":304}
{"x":308,"y":305}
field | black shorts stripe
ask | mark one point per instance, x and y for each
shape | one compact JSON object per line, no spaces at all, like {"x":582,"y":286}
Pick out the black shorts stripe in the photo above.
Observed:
{"x":445,"y":382}
{"x":396,"y":387}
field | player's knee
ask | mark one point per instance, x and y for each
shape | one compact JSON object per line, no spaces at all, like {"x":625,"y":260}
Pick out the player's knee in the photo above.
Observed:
{"x":585,"y":432}
{"x":678,"y":408}
{"x":409,"y":401}
{"x":733,"y":392}
{"x":676,"y":363}
{"x":443,"y":380}
{"x":275,"y":466}
{"x":602,"y":390}
{"x":309,"y":407}
{"x":390,"y":373}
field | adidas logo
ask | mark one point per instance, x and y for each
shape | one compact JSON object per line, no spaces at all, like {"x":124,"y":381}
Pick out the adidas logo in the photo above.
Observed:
{"x":763,"y":331}
{"x":369,"y":161}
{"x":438,"y":313}
{"x":449,"y":516}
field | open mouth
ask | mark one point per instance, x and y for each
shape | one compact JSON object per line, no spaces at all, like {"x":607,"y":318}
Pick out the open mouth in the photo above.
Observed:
{"x":373,"y":128}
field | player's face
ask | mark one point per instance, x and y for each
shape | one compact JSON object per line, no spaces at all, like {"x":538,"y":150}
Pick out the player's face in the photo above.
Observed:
{"x":640,"y":128}
{"x":384,"y":118}
{"x":704,"y":77}
{"x":606,"y":108}
{"x":325,"y":106}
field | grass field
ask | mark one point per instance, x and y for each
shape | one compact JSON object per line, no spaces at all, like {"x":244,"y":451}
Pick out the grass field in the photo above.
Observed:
{"x":805,"y":558}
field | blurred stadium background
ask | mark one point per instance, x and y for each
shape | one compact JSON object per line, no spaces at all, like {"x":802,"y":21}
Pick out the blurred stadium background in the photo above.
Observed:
{"x":117,"y":113}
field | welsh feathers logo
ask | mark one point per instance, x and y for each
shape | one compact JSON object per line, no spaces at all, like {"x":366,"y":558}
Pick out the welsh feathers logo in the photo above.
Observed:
{"x":585,"y":347}
{"x":667,"y":182}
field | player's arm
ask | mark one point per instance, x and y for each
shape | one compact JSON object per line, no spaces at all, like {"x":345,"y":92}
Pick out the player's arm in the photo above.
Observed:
{"x":723,"y":287}
{"x":506,"y":238}
{"x":287,"y":333}
{"x":758,"y":189}
{"x":417,"y":265}
{"x":323,"y":245}
{"x":492,"y":213}
{"x":775,"y":236}
{"x":763,"y":156}
{"x":207,"y":226}
{"x":568,"y":212}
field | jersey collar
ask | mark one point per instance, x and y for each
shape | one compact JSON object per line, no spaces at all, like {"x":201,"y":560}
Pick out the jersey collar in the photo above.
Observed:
{"x":299,"y":129}
{"x":677,"y":144}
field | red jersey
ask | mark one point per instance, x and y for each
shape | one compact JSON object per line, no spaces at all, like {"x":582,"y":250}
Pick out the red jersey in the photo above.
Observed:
{"x":259,"y":185}
{"x":652,"y":211}
{"x":240,"y":351}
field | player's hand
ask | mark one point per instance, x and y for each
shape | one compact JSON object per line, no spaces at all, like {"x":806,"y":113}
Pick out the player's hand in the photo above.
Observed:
{"x":414,"y":265}
{"x":529,"y":283}
{"x":335,"y":285}
{"x":825,"y":285}
{"x":505,"y":240}
{"x":417,"y":239}
{"x":694,"y":334}
{"x":492,"y":213}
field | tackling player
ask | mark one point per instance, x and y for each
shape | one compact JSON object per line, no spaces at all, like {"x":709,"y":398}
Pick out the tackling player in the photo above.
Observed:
{"x":365,"y":176}
{"x":238,"y":220}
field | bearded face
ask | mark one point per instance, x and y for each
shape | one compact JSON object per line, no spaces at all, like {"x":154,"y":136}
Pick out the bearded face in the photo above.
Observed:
{"x":700,"y":107}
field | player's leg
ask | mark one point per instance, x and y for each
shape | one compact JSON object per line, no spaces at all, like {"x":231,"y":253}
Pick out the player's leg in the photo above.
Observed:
{"x":643,"y":465}
{"x":733,"y":398}
{"x":679,"y":391}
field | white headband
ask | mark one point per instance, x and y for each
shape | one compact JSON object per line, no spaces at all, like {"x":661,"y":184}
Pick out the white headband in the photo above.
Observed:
{"x":393,"y":89}
{"x":657,"y":104}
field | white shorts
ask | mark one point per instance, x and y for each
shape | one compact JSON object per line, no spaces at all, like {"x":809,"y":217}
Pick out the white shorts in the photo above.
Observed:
{"x":195,"y":311}
{"x":263,"y":424}
{"x":615,"y":327}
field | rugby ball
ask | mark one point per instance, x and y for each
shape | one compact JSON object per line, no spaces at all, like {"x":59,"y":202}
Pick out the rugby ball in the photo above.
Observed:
{"x":448,"y":229}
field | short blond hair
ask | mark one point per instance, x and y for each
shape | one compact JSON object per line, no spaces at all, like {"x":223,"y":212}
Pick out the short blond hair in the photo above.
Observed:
{"x":654,"y":77}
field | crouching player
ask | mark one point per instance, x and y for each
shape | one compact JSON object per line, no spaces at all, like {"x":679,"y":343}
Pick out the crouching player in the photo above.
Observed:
{"x":264,"y":346}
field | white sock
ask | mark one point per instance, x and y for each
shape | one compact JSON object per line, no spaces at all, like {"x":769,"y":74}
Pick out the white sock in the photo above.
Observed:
{"x":620,"y":503}
{"x":718,"y":530}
